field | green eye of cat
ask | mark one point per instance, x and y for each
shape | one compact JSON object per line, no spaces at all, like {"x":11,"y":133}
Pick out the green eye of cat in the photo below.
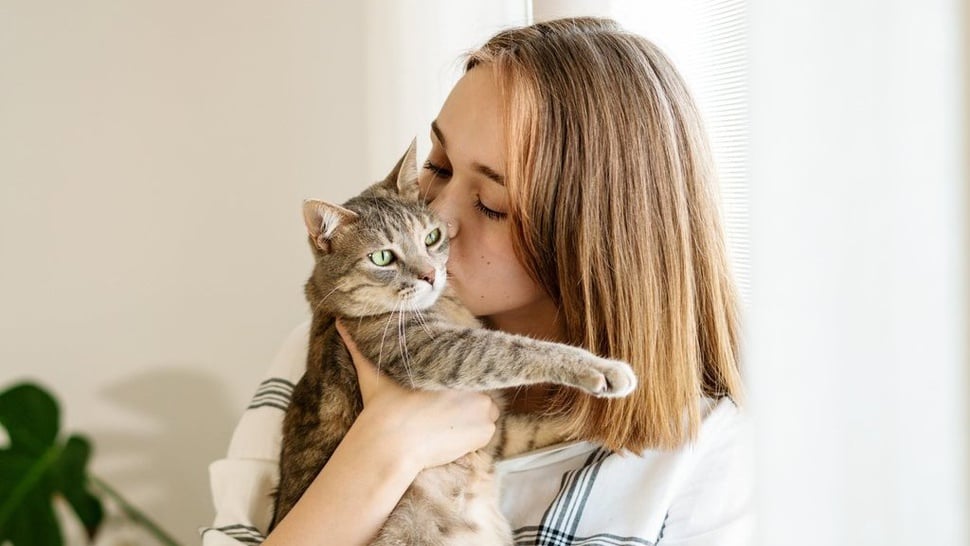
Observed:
{"x":382,"y":257}
{"x":433,"y":237}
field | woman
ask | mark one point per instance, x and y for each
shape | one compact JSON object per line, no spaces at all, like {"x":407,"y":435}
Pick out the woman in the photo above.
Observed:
{"x":572,"y":168}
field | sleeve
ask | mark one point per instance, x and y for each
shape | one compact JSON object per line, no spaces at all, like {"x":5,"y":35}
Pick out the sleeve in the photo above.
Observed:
{"x":715,"y":506}
{"x":242,"y":483}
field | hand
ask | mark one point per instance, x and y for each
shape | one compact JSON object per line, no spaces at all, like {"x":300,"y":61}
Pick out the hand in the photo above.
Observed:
{"x":430,"y":428}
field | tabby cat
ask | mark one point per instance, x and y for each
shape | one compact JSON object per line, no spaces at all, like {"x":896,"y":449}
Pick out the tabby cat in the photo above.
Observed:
{"x":380,"y":264}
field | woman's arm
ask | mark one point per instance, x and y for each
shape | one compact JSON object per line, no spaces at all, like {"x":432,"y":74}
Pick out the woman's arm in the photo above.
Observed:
{"x":399,"y":433}
{"x":352,"y":496}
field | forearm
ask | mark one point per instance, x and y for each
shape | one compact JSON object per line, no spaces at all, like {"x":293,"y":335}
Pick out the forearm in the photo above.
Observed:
{"x":349,"y":500}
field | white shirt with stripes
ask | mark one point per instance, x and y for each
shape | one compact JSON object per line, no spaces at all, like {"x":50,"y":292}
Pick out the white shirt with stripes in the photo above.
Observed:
{"x":570,"y":494}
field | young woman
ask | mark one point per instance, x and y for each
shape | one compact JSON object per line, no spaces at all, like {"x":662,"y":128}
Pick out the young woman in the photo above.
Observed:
{"x":574,"y":173}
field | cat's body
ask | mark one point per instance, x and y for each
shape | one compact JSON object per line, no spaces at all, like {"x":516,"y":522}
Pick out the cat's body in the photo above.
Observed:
{"x":404,"y":319}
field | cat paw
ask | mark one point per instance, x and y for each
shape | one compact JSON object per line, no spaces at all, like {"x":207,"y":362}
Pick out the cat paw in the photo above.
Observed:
{"x":609,"y":379}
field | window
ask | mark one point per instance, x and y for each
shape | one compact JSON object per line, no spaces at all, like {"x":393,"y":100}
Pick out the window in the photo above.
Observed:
{"x":706,"y":40}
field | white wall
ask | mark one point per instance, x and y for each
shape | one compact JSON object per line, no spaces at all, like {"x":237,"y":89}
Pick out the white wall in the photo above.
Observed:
{"x":153,"y":158}
{"x":153,"y":161}
{"x":414,"y":54}
{"x":857,"y":351}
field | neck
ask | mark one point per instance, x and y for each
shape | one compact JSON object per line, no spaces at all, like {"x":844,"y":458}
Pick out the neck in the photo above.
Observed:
{"x":542,"y":321}
{"x":539,"y":320}
{"x":529,"y":398}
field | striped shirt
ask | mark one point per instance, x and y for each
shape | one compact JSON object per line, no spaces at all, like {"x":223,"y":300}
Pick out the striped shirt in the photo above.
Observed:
{"x":565,"y":495}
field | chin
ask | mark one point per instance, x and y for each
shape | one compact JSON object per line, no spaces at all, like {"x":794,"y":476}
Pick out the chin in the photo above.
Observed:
{"x":469,"y":297}
{"x":474,"y":305}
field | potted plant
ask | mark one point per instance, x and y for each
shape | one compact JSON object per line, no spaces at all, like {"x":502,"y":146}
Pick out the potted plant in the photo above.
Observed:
{"x":38,"y":466}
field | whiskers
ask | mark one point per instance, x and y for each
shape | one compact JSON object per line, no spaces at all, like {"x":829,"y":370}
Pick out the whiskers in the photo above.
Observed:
{"x":380,"y":353}
{"x":397,"y":313}
{"x":419,"y":316}
{"x":402,"y":342}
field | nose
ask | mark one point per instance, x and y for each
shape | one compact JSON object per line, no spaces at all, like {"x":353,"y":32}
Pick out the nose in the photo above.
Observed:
{"x":444,"y":207}
{"x":452,"y":226}
{"x":428,"y":276}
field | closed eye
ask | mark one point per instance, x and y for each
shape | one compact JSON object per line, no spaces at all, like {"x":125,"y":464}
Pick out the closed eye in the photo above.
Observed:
{"x":492,"y":214}
{"x":439,"y":172}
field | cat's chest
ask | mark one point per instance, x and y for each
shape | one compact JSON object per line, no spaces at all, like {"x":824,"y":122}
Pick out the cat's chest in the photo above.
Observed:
{"x":453,"y":312}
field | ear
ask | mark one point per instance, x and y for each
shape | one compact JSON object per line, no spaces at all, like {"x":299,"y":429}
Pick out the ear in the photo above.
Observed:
{"x":323,"y":219}
{"x":403,"y":179}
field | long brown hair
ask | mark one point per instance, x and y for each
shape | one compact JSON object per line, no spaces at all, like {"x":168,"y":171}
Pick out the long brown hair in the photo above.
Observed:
{"x":615,"y":213}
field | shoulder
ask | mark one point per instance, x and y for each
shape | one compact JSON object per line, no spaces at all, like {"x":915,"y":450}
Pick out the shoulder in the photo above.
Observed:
{"x":712,"y":501}
{"x":724,"y":431}
{"x":698,"y":494}
{"x":724,"y":425}
{"x":722,"y":453}
{"x":243,"y":482}
{"x":259,"y":431}
{"x":586,"y":493}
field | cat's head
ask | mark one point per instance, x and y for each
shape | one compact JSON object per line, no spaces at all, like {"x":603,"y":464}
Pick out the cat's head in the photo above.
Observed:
{"x":380,"y":252}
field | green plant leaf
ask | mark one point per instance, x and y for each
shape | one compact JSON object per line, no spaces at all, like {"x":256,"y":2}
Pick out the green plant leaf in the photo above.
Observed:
{"x":35,"y":467}
{"x":23,"y":479}
{"x":39,"y":527}
{"x":13,"y":467}
{"x":72,"y":483}
{"x":31,"y":418}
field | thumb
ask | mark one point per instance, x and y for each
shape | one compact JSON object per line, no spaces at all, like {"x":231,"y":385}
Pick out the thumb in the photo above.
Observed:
{"x":367,"y":374}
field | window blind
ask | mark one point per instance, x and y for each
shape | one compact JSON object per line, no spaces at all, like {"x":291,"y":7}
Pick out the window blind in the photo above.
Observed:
{"x":706,"y":41}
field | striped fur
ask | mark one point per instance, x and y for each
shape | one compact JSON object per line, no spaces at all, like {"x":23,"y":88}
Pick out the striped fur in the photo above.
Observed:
{"x":405,"y":319}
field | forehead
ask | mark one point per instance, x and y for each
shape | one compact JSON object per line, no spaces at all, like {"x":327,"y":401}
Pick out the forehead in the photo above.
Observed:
{"x":471,"y":119}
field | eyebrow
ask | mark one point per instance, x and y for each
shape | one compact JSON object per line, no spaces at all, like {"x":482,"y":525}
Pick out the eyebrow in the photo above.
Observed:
{"x":437,"y":132}
{"x":485,"y":170}
{"x":489,"y":173}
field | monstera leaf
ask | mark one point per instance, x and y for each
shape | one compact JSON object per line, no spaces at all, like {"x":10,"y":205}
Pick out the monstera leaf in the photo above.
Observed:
{"x":36,"y":466}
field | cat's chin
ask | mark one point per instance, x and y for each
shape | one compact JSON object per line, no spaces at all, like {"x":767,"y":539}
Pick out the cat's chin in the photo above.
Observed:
{"x":419,"y":300}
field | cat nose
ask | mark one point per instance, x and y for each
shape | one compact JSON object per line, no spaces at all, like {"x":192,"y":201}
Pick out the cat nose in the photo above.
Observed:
{"x":428,"y":277}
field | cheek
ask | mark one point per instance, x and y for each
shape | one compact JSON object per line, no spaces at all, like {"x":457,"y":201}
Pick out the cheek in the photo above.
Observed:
{"x":490,"y":278}
{"x":374,"y":289}
{"x":481,"y":251}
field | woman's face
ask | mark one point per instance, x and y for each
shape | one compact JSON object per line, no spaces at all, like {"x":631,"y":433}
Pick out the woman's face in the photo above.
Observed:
{"x":463,"y":179}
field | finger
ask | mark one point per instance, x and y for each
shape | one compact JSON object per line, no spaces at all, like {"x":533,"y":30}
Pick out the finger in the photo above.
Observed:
{"x":345,"y":335}
{"x":493,"y":412}
{"x":367,"y":374}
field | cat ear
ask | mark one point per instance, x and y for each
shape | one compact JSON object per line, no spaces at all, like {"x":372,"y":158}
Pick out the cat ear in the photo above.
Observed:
{"x":322,"y":220}
{"x":403,"y":179}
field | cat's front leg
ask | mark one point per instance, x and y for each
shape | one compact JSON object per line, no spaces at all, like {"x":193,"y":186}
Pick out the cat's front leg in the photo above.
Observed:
{"x":601,"y":377}
{"x":547,"y":362}
{"x":477,"y":359}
